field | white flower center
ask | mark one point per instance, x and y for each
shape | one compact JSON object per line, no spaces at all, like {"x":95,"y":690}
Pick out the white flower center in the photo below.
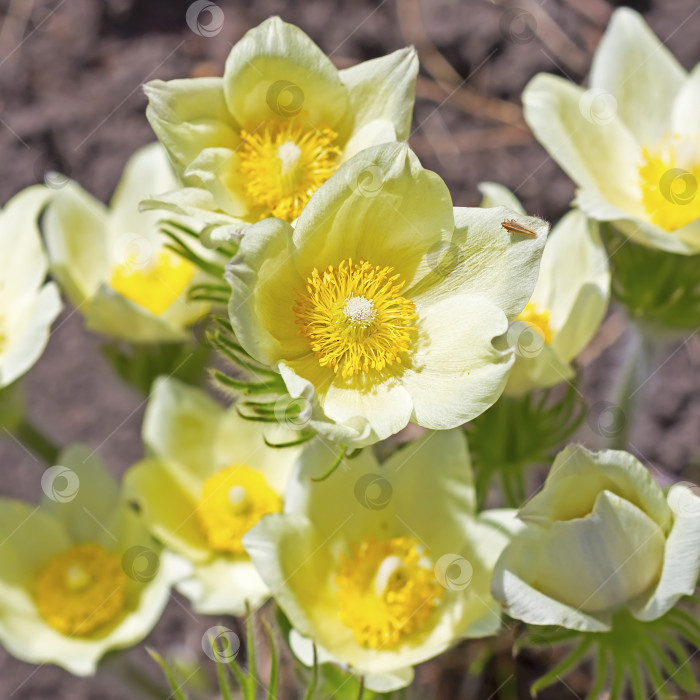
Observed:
{"x":237,"y":495}
{"x":388,"y":573}
{"x":77,"y":578}
{"x":288,"y":154}
{"x":359,"y":311}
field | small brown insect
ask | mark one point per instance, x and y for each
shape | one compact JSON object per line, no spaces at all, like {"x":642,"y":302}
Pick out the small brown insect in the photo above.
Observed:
{"x":512,"y":226}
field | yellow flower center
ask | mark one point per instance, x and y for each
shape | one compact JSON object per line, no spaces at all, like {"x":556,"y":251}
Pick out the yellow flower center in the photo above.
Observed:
{"x":355,"y":317}
{"x":283,"y":163}
{"x":538,"y":320}
{"x":232,"y":502}
{"x":81,"y":589}
{"x":670,"y":182}
{"x":386,"y":590}
{"x":154,"y":284}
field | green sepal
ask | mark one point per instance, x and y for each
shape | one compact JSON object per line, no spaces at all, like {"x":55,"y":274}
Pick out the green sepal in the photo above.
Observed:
{"x":657,"y":288}
{"x":519,"y":432}
{"x":645,"y":657}
{"x":139,"y":365}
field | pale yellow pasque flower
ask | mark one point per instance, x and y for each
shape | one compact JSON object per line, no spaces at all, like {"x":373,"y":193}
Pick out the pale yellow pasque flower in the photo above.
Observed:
{"x":112,"y":262}
{"x":383,"y":304}
{"x":79,"y":574}
{"x":259,"y":141}
{"x":364,"y":569}
{"x":631,"y":141}
{"x":567,"y":304}
{"x":28,"y":304}
{"x":208,"y":479}
{"x":600,"y":537}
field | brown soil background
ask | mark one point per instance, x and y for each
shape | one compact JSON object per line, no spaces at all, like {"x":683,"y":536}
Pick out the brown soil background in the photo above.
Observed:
{"x":70,"y":100}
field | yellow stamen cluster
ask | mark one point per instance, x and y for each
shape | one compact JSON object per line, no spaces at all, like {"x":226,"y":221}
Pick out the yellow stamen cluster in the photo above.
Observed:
{"x":232,"y":501}
{"x":355,"y":317}
{"x":81,"y":589}
{"x":386,"y":590}
{"x":670,"y":182}
{"x":154,"y":284}
{"x":283,"y":163}
{"x":538,"y":320}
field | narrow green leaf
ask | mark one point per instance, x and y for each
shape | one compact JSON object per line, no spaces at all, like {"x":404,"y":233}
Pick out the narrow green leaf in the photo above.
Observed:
{"x":174,"y":686}
{"x":333,"y":467}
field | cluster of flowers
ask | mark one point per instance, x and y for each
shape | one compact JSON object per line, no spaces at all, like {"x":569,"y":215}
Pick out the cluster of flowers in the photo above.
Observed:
{"x":360,"y":300}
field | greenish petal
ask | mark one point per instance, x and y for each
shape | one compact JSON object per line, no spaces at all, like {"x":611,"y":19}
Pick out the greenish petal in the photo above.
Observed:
{"x":681,"y":567}
{"x":264,"y":282}
{"x":687,"y":105}
{"x":682,"y":241}
{"x":455,"y":372}
{"x":27,"y":328}
{"x":276,"y":71}
{"x":216,"y":170}
{"x":180,"y":428}
{"x":23,"y":265}
{"x":167,"y":510}
{"x":147,"y":172}
{"x":539,"y":368}
{"x":513,"y":586}
{"x":496,"y":195}
{"x":381,"y":206}
{"x":189,"y":116}
{"x":603,"y":560}
{"x":29,"y":536}
{"x":634,"y":66}
{"x":224,"y":586}
{"x":84,"y":498}
{"x":578,"y":476}
{"x":597,"y":151}
{"x":574,"y":283}
{"x":384,"y":88}
{"x":75,"y":226}
{"x":483,"y":258}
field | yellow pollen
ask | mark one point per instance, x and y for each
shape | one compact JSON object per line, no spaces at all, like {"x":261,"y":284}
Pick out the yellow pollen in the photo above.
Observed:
{"x":670,"y":182}
{"x":355,"y":318}
{"x":283,"y":163}
{"x":232,"y":502}
{"x":81,"y":589}
{"x":538,"y":320}
{"x":155,"y":285}
{"x":386,"y":590}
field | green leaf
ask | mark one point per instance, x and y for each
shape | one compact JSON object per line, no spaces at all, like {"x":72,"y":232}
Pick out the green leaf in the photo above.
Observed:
{"x":174,"y":686}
